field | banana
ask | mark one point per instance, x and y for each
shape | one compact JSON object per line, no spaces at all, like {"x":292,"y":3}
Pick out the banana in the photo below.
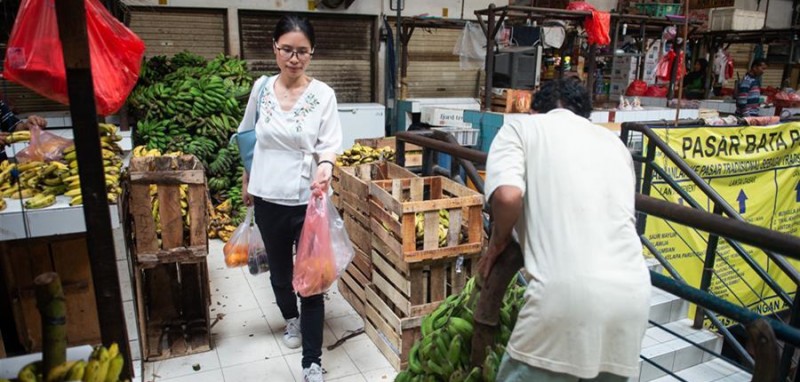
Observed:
{"x":27,"y":166}
{"x":23,"y":194}
{"x":40,"y":201}
{"x":76,"y":200}
{"x":2,"y":204}
{"x":115,"y":367}
{"x":76,"y":371}
{"x":71,"y":156}
{"x":73,"y":192}
{"x":91,"y":371}
{"x":30,"y":372}
{"x":59,"y":373}
{"x":19,"y":136}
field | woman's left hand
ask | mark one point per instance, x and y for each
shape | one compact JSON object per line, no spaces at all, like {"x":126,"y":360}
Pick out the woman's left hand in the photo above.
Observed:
{"x":322,"y":179}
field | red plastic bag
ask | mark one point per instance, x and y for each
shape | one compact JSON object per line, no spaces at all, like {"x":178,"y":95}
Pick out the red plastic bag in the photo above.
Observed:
{"x":324,"y":250}
{"x":580,"y":6}
{"x":656,"y":91}
{"x":636,"y":88}
{"x":35,"y":60}
{"x":597,"y":28}
{"x":44,"y":147}
{"x":664,"y":67}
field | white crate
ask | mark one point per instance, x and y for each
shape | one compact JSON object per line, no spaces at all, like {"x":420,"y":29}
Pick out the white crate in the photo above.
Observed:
{"x":440,"y":116}
{"x":736,"y":19}
{"x":464,"y":136}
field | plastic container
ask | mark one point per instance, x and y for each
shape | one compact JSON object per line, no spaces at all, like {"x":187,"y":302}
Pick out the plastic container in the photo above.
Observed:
{"x":659,"y":10}
{"x":464,"y":136}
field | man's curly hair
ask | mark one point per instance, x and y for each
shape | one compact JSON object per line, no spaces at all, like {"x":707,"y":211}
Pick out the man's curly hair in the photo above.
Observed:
{"x":565,"y":93}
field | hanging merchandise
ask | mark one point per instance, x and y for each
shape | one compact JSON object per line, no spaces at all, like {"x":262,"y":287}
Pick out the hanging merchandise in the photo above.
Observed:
{"x":669,"y":33}
{"x":723,"y":66}
{"x":34,"y":57}
{"x":664,"y":67}
{"x":636,"y":88}
{"x":597,"y":27}
{"x":471,"y":47}
{"x":324,"y":250}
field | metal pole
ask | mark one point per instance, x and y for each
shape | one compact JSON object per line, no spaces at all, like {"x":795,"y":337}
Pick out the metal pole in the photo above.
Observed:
{"x":678,"y":58}
{"x":397,"y":63}
{"x":708,"y":271}
{"x":487,"y":91}
{"x":71,"y":18}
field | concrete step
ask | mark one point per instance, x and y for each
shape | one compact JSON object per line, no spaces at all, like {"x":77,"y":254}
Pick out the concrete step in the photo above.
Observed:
{"x":654,"y":265}
{"x":716,"y":370}
{"x":673,"y":353}
{"x":666,"y":307}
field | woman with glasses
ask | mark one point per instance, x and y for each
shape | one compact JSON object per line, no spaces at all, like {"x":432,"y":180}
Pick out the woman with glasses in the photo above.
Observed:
{"x":298,"y":136}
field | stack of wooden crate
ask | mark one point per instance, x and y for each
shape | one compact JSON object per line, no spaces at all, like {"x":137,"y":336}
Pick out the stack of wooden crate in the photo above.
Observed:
{"x":411,"y":275}
{"x":351,"y":185}
{"x":170,"y":273}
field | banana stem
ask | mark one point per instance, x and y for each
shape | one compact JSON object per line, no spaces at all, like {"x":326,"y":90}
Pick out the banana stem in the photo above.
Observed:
{"x":53,"y":310}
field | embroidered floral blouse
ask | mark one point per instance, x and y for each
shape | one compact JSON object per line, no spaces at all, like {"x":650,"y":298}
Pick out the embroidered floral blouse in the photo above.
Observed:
{"x":288,"y":141}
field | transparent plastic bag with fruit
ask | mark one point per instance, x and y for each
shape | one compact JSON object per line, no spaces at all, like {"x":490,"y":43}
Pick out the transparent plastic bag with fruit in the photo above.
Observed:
{"x":237,"y":249}
{"x":324,"y":250}
{"x":257,"y":255}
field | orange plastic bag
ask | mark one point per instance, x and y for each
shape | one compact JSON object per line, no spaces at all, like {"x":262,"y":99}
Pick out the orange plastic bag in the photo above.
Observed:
{"x":324,"y":250}
{"x":35,"y":59}
{"x":237,"y":249}
{"x":44,"y":147}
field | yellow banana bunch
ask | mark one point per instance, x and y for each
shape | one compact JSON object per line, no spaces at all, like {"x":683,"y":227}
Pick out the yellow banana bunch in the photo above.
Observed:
{"x":19,"y":136}
{"x":41,"y":200}
{"x":359,"y":154}
{"x":142,"y":151}
{"x":2,"y":204}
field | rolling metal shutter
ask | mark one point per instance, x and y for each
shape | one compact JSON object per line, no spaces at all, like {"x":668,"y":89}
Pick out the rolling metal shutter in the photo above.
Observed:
{"x":170,"y":31}
{"x":344,"y":55}
{"x":21,"y":99}
{"x":433,"y":69}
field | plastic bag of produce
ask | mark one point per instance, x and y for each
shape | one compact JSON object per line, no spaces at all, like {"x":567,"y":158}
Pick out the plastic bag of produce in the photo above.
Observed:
{"x":44,"y":146}
{"x":324,"y":250}
{"x":237,"y":249}
{"x":34,"y":57}
{"x":257,"y":254}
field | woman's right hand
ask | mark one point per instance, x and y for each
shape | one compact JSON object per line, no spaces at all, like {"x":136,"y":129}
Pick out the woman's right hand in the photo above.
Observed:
{"x":246,"y":197}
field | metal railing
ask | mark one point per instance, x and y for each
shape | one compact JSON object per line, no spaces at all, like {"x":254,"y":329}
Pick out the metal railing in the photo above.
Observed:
{"x":732,"y":229}
{"x":719,"y":207}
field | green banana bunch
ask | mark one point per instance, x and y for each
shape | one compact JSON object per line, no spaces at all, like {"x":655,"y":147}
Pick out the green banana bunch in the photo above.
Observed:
{"x":443,"y":352}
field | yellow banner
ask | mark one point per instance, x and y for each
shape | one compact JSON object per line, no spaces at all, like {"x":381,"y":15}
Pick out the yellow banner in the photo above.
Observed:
{"x":756,"y":170}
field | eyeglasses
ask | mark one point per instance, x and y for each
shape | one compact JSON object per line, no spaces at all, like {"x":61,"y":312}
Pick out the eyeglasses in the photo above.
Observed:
{"x":286,"y":53}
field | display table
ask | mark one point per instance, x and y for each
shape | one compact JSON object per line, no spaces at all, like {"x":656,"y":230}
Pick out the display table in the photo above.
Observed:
{"x":58,"y":219}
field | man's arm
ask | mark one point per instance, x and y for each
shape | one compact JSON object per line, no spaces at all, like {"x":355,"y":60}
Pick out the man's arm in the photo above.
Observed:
{"x":506,"y":203}
{"x":8,"y":121}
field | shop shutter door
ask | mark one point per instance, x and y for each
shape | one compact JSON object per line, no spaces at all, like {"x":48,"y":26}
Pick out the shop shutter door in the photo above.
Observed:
{"x":21,"y":99}
{"x":169,"y":31}
{"x":343,"y":58}
{"x":433,"y":69}
{"x":742,"y":53}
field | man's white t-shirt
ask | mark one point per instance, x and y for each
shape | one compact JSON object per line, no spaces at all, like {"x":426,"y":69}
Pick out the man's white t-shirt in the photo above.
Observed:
{"x":287,"y":140}
{"x":587,"y":305}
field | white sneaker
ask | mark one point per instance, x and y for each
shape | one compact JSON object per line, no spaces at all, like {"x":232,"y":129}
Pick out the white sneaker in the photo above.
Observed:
{"x":291,"y":335}
{"x":313,"y":373}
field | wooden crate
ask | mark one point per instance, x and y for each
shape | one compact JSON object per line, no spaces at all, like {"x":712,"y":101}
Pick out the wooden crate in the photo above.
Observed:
{"x":510,"y":100}
{"x":167,"y":174}
{"x":353,"y":185}
{"x":170,"y":276}
{"x":392,"y":334}
{"x":68,"y":255}
{"x":413,"y":152}
{"x":394,"y":204}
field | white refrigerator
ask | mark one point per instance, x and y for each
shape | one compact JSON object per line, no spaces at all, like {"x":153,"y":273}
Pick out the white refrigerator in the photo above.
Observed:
{"x":361,"y":120}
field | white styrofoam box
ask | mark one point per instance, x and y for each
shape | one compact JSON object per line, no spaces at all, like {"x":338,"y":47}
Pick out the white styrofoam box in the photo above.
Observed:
{"x":465,"y":136}
{"x":361,"y":120}
{"x":653,"y":101}
{"x":625,"y":60}
{"x":766,"y":111}
{"x":736,"y":19}
{"x":617,"y":88}
{"x":440,"y":116}
{"x":10,"y":367}
{"x":452,"y":103}
{"x":599,"y":116}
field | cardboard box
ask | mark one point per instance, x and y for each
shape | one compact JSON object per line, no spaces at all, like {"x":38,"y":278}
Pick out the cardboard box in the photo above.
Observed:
{"x":439,"y":116}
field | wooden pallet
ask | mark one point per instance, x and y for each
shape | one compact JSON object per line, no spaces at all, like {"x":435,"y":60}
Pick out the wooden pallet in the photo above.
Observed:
{"x":171,"y":277}
{"x":394,"y":204}
{"x":392,"y":334}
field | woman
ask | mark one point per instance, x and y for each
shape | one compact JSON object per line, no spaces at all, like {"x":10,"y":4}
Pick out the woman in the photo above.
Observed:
{"x":694,"y":84}
{"x":298,"y":135}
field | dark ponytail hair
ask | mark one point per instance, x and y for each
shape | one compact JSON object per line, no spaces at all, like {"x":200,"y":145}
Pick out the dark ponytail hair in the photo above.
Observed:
{"x":294,"y":24}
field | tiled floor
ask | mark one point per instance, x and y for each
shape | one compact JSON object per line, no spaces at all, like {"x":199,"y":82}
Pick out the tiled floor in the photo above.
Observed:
{"x":247,"y":338}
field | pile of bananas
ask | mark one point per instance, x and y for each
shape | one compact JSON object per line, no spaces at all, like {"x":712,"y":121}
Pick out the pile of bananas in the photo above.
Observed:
{"x":359,"y":154}
{"x":112,"y":165}
{"x":444,"y":227}
{"x":192,"y":105}
{"x":220,"y":223}
{"x":104,"y":365}
{"x":18,"y":136}
{"x":443,"y":352}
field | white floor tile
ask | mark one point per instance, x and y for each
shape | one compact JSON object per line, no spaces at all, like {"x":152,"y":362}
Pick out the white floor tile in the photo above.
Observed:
{"x":180,"y":367}
{"x":208,"y":376}
{"x":273,"y":369}
{"x":351,"y":378}
{"x":341,"y":325}
{"x":381,"y":375}
{"x":240,"y":323}
{"x":336,"y":363}
{"x":366,"y":356}
{"x":234,"y":302}
{"x":701,"y":373}
{"x":259,"y":281}
{"x":248,"y":348}
{"x":336,"y":306}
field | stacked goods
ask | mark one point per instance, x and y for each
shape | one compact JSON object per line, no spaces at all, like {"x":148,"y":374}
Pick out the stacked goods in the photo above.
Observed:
{"x":443,"y":352}
{"x":191,"y":105}
{"x":351,"y":187}
{"x":104,"y":365}
{"x":426,"y":237}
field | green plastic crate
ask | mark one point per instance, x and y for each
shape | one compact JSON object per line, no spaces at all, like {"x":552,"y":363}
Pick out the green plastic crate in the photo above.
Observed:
{"x":658,"y":9}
